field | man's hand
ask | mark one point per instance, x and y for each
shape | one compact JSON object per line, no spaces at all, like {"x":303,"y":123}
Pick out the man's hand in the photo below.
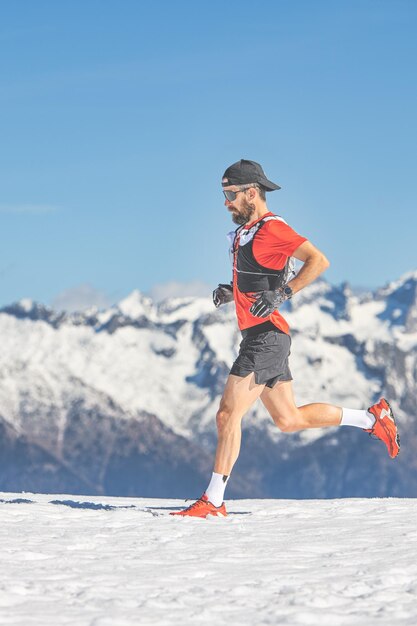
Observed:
{"x":267,"y":301}
{"x":222,"y":294}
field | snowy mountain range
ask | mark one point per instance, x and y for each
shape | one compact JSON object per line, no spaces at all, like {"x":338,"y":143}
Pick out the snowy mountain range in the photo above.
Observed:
{"x":123,"y":401}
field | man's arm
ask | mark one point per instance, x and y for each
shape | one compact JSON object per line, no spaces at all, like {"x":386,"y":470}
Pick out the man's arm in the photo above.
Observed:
{"x":314,"y":263}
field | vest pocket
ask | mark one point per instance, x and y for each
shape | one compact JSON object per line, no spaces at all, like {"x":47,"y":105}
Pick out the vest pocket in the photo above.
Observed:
{"x":247,"y":282}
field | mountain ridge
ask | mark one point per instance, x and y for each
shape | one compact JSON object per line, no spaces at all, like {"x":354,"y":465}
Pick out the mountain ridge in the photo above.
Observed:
{"x":164,"y":366}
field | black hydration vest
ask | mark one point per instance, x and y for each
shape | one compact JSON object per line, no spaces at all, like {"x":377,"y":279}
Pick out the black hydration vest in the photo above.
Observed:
{"x":251,"y":275}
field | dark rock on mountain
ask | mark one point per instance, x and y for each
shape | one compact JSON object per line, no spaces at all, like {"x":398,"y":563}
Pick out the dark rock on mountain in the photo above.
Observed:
{"x":26,"y":466}
{"x":343,"y":463}
{"x":147,"y":428}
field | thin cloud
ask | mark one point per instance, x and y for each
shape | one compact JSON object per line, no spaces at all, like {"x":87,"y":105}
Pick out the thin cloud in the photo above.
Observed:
{"x":28,"y":209}
{"x":80,"y":298}
{"x":174,"y":289}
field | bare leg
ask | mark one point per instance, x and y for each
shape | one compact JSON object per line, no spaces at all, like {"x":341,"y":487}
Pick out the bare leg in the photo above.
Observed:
{"x":280,"y":403}
{"x":239,"y":395}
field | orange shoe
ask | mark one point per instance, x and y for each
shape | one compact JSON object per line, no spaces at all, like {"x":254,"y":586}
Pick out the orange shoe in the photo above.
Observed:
{"x":202,"y":508}
{"x":385,"y":427}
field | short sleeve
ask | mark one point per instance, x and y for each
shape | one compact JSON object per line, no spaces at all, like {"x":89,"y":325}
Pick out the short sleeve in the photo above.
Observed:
{"x":274,"y":243}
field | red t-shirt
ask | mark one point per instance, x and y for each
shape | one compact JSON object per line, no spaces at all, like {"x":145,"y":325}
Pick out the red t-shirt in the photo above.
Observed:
{"x":273,"y":244}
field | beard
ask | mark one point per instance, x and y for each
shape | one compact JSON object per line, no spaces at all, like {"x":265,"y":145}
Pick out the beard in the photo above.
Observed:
{"x":245,"y":212}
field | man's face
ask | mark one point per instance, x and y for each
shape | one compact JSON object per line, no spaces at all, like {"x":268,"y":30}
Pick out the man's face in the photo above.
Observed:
{"x":240,"y":208}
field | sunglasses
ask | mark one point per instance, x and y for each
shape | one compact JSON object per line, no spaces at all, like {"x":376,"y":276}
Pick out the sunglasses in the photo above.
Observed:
{"x":231,"y":195}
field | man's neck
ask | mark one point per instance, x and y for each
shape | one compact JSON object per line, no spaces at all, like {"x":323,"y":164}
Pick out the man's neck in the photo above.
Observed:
{"x":259,"y":212}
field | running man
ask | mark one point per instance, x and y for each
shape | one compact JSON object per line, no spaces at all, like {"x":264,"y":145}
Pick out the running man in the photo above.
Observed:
{"x":261,"y":248}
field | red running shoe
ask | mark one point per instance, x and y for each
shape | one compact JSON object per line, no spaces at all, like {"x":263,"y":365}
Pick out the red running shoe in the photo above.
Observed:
{"x":202,"y":508}
{"x":385,"y":427}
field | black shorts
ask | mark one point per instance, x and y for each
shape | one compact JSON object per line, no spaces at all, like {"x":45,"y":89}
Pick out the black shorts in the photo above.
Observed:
{"x":266,"y":354}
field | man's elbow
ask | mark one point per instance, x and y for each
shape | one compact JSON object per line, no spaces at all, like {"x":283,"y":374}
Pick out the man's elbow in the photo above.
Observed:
{"x":325,"y":263}
{"x":318,"y":260}
{"x":321,"y":262}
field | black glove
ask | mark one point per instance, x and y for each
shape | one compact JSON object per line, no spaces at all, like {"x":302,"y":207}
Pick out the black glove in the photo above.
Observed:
{"x":267,"y":301}
{"x":222,"y":294}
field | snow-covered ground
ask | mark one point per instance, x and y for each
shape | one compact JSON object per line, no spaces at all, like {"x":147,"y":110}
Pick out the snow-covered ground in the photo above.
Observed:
{"x":73,"y":560}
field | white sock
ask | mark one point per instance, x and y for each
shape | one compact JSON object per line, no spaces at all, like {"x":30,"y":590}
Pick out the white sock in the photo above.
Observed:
{"x":216,"y":488}
{"x":358,"y":418}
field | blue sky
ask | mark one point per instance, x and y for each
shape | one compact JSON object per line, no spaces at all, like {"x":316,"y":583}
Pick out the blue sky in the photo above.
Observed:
{"x":118,"y":119}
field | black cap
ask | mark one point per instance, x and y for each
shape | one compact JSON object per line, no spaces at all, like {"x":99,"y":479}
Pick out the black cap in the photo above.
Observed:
{"x":245,"y":172}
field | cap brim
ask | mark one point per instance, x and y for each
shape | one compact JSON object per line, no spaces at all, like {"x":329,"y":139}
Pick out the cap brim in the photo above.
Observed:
{"x":269,"y":186}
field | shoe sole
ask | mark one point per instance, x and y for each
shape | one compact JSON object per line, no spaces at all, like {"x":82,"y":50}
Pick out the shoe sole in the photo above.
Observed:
{"x":397,"y":435}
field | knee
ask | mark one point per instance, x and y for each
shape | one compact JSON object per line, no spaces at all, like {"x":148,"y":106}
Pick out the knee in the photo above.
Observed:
{"x":224,"y":418}
{"x":289,"y":423}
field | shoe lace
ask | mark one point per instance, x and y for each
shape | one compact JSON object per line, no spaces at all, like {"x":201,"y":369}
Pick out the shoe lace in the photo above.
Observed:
{"x":197,"y":504}
{"x":386,"y":432}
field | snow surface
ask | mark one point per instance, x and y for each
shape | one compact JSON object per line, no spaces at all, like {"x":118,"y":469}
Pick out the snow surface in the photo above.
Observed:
{"x":90,"y":561}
